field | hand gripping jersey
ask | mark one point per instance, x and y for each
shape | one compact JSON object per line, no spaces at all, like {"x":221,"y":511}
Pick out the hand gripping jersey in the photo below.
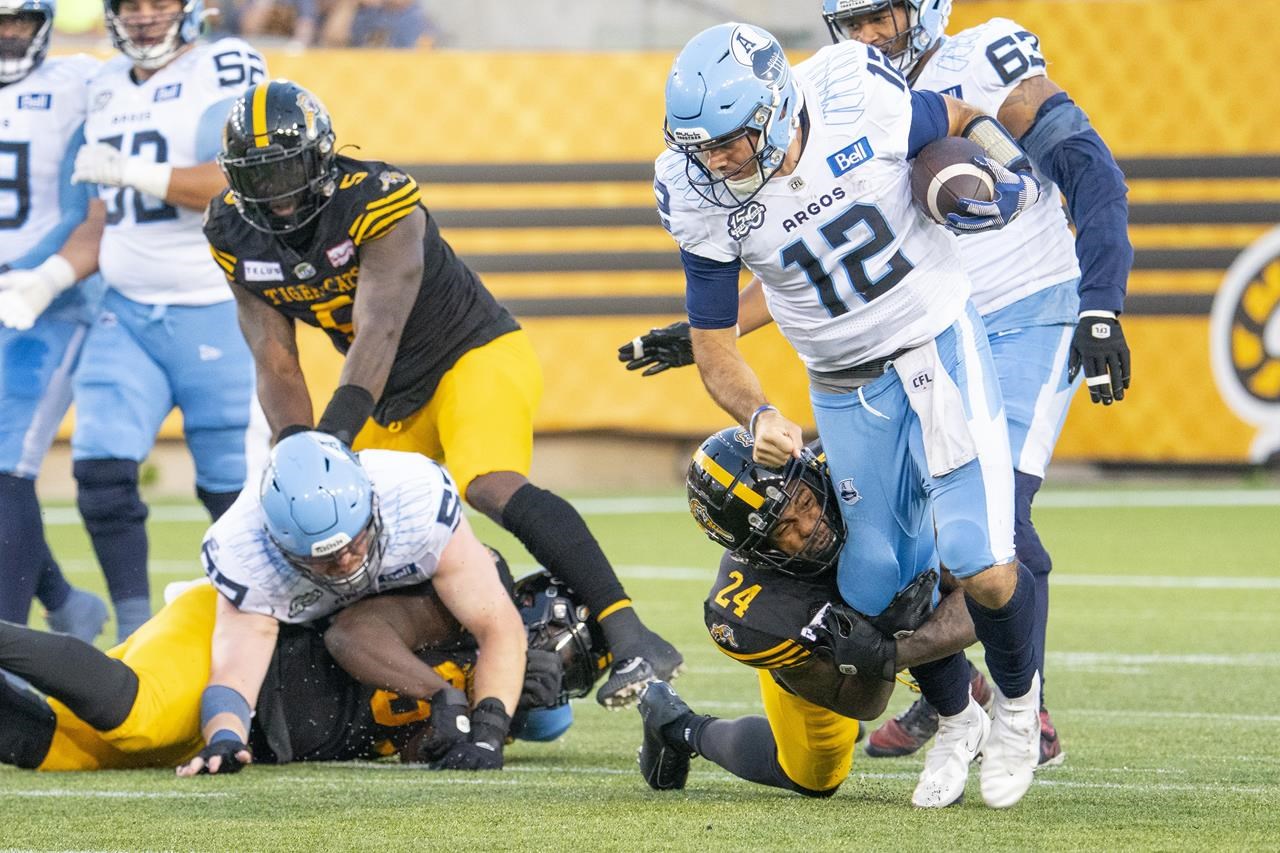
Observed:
{"x":152,"y":251}
{"x":41,"y":121}
{"x":983,"y":65}
{"x":314,"y":278}
{"x":851,"y":270}
{"x":420,"y":511}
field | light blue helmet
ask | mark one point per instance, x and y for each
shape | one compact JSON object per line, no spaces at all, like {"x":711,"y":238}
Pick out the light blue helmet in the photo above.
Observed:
{"x":321,"y":512}
{"x":926,"y":22}
{"x":154,"y":51}
{"x":729,"y":80}
{"x":20,"y":56}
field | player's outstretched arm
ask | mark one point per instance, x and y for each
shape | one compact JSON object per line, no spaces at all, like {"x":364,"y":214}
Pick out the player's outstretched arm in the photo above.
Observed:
{"x":282,"y":390}
{"x":26,"y":293}
{"x":242,"y":647}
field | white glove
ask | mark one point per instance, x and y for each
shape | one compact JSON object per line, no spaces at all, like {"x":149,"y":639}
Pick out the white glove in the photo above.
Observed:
{"x":24,"y":294}
{"x":100,"y":163}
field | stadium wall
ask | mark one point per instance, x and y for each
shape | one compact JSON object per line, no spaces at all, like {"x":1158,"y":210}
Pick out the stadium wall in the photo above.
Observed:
{"x":538,"y":168}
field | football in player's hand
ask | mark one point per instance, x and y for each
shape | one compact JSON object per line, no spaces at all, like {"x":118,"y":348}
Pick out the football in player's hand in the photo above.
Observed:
{"x":943,"y":172}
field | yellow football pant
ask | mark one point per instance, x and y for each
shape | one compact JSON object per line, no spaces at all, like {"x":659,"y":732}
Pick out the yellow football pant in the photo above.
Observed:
{"x":480,"y":419}
{"x":815,"y":746}
{"x":170,"y":655}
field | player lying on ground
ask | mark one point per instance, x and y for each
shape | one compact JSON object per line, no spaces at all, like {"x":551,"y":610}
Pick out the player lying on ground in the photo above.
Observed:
{"x":328,"y":529}
{"x":433,"y":364}
{"x":776,"y":606}
{"x":138,"y":704}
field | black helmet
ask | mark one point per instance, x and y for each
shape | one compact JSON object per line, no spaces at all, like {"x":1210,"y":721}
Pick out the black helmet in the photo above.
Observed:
{"x":738,"y":502}
{"x":557,"y":623}
{"x":277,"y":154}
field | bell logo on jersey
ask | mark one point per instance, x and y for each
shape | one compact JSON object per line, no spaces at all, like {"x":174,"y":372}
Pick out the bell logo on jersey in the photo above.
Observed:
{"x":263,"y":271}
{"x":745,"y":219}
{"x":35,"y":101}
{"x":341,"y":254}
{"x":171,"y":92}
{"x":850,"y":157}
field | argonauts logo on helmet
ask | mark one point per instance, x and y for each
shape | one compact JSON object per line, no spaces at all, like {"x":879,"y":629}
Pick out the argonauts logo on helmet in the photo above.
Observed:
{"x":759,"y":52}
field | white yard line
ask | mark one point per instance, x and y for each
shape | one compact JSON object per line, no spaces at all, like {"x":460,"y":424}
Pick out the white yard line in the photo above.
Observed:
{"x":114,"y":795}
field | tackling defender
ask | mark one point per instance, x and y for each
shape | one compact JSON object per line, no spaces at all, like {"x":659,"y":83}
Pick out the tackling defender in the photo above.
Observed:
{"x":803,"y":175}
{"x":167,"y":335}
{"x":306,"y":235}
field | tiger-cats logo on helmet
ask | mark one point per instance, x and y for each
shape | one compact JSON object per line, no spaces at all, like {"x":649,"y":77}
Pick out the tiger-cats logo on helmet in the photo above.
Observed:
{"x":1244,"y":342}
{"x":310,"y":109}
{"x":700,"y":514}
{"x":743,"y":437}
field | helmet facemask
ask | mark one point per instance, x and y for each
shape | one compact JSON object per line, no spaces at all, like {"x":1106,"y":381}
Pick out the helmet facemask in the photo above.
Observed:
{"x":822,"y":546}
{"x":20,"y":55}
{"x":278,"y":189}
{"x":326,"y":569}
{"x":556,"y":623}
{"x":152,"y":42}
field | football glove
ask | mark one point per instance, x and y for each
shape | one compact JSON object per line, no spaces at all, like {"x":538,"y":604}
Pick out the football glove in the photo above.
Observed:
{"x":1100,"y":349}
{"x":100,"y":163}
{"x":855,"y":646}
{"x":483,"y":751}
{"x":543,"y":678}
{"x":450,"y":724}
{"x":669,"y":346}
{"x":1014,"y":193}
{"x":228,"y":750}
{"x":24,"y":294}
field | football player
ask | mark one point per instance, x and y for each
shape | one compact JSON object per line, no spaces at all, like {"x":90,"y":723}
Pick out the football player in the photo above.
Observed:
{"x":306,"y":235}
{"x":138,"y":704}
{"x":803,"y":175}
{"x":822,"y":666}
{"x":48,"y":246}
{"x":327,"y":529}
{"x":167,"y":335}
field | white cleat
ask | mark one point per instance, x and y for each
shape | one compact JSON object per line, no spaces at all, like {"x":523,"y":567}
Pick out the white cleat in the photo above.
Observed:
{"x":946,"y":766}
{"x":1013,"y":750}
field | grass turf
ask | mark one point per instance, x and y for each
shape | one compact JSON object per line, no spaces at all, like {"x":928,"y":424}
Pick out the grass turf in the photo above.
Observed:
{"x":1163,"y":661}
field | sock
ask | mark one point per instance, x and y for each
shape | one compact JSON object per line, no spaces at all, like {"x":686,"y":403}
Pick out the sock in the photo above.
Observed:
{"x":217,"y":502}
{"x":23,"y":551}
{"x":1005,"y":633}
{"x":98,"y":689}
{"x":52,"y":588}
{"x":1032,"y":554}
{"x":28,"y":727}
{"x":746,"y":748}
{"x":82,"y":615}
{"x":557,"y":537}
{"x":945,"y":683}
{"x":130,"y":614}
{"x":115,"y":516}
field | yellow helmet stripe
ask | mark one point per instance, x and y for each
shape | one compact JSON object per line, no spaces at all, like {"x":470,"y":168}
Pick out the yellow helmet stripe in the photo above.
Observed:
{"x":740,"y":490}
{"x":261,"y":139}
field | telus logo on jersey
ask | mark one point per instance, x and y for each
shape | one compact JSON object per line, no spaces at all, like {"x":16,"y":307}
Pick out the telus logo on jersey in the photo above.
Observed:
{"x":813,"y":208}
{"x":35,"y":101}
{"x":745,"y":219}
{"x":263,"y":271}
{"x":850,"y":157}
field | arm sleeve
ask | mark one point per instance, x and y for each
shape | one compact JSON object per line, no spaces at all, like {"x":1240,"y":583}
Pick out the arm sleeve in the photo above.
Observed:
{"x":1067,"y":150}
{"x":929,"y":121}
{"x":73,"y":206}
{"x":711,"y":291}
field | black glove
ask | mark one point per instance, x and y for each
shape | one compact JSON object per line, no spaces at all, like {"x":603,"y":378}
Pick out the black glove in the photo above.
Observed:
{"x":489,"y":724}
{"x":543,"y":677}
{"x":1099,"y":347}
{"x":226,"y":749}
{"x":669,"y":346}
{"x":450,"y":723}
{"x":855,"y":645}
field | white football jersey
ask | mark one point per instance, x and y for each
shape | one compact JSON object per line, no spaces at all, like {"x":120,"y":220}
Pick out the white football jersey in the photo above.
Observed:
{"x":420,"y":511}
{"x":40,"y":121}
{"x":852,"y":271}
{"x":982,"y":65}
{"x":154,"y":252}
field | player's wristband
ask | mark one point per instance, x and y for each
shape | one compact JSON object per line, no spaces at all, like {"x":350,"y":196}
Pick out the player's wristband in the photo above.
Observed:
{"x":999,"y":145}
{"x":149,"y":178}
{"x":225,"y":734}
{"x":346,"y":413}
{"x":221,"y":699}
{"x":755,"y":416}
{"x":490,"y":722}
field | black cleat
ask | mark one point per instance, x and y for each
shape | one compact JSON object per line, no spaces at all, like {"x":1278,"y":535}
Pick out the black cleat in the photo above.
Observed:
{"x":664,"y":762}
{"x":653,"y":660}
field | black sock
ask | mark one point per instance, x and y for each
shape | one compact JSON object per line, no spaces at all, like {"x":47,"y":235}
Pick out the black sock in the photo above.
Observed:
{"x":217,"y":502}
{"x":98,"y":689}
{"x":1006,"y":634}
{"x":557,"y":537}
{"x":1032,"y":554}
{"x":23,"y":552}
{"x":27,"y":724}
{"x":52,"y":588}
{"x":746,"y":748}
{"x":944,"y":683}
{"x":115,"y":516}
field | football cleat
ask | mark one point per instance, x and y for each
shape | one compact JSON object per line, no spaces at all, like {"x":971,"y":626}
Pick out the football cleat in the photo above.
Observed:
{"x":664,"y":762}
{"x":946,"y":766}
{"x":913,"y":728}
{"x":658,"y":661}
{"x":1051,"y":751}
{"x":1013,"y":748}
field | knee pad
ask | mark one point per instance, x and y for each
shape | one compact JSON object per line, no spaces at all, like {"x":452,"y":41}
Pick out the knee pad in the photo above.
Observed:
{"x":1031,"y":551}
{"x":107,"y":494}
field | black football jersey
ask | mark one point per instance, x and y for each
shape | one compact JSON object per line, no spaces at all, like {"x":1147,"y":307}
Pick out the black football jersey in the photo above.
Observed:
{"x":754,"y":614}
{"x":310,"y":709}
{"x":313,"y":277}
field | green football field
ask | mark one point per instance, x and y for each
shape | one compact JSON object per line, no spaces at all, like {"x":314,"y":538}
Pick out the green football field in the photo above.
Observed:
{"x":1163,"y":678}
